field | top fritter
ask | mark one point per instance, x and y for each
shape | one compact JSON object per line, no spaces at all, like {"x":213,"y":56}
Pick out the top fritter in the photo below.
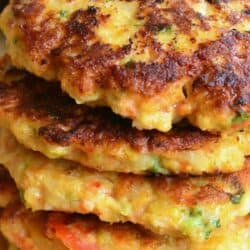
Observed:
{"x":153,"y":61}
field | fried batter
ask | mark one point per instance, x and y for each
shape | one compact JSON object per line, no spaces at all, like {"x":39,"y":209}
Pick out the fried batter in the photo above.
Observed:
{"x":190,"y":206}
{"x":154,"y":62}
{"x":46,"y":120}
{"x":41,"y":230}
{"x":27,"y":230}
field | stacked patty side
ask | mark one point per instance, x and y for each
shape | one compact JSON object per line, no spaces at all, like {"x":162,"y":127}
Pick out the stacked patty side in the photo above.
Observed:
{"x":46,"y":120}
{"x":134,"y":131}
{"x":192,"y":206}
{"x":154,"y":62}
{"x":57,"y":231}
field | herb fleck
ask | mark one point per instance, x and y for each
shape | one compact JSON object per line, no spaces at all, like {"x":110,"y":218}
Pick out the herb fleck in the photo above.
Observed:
{"x":157,"y":167}
{"x":236,"y":198}
{"x":216,"y":223}
{"x":161,"y":28}
{"x":207,"y":234}
{"x":21,"y":196}
{"x":63,"y":13}
{"x":241,"y":117}
{"x":15,"y":40}
{"x":195,"y":212}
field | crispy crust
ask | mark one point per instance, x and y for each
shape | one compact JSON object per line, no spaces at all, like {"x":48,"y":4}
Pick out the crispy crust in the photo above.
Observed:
{"x":63,"y":122}
{"x":27,"y":230}
{"x":45,"y":119}
{"x":193,"y":206}
{"x":88,"y":233}
{"x":215,"y":74}
{"x":149,"y":78}
{"x":79,"y":228}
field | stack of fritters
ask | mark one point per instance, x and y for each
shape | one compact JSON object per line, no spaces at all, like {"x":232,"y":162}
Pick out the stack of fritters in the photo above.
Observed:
{"x":125,"y":124}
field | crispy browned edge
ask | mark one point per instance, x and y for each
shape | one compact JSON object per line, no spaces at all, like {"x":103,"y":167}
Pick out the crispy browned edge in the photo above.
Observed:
{"x":227,"y":85}
{"x":63,"y":122}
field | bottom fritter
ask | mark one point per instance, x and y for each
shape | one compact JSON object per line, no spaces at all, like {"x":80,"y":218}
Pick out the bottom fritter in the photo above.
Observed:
{"x":28,"y":230}
{"x":57,"y":231}
{"x":195,"y":207}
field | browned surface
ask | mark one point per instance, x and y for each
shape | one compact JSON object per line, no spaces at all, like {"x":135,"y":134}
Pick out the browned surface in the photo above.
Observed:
{"x":27,"y":230}
{"x":65,"y":123}
{"x":210,"y":78}
{"x":74,"y":232}
{"x":217,"y":189}
{"x":227,"y":84}
{"x":94,"y":67}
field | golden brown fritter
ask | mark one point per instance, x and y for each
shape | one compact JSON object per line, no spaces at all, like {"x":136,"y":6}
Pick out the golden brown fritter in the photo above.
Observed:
{"x":41,"y":230}
{"x":192,"y":206}
{"x":46,"y":120}
{"x":155,"y":62}
{"x":27,"y":230}
{"x":236,"y":236}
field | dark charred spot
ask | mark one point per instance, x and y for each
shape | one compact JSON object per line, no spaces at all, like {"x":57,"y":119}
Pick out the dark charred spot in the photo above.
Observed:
{"x":56,"y":51}
{"x":3,"y":3}
{"x":221,"y":78}
{"x":67,"y":123}
{"x":217,"y":2}
{"x":159,"y":27}
{"x":78,"y":28}
{"x":227,"y":83}
{"x":130,"y":64}
{"x":43,"y":62}
{"x":159,"y":1}
{"x":225,"y":87}
{"x":92,"y":10}
{"x":241,"y":101}
{"x":247,"y":12}
{"x":186,"y":139}
{"x":82,"y":22}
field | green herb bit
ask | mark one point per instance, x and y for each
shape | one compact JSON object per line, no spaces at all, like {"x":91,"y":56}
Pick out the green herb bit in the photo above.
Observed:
{"x":21,"y":196}
{"x":241,"y":117}
{"x":166,"y":29}
{"x":194,"y":212}
{"x":216,"y":223}
{"x":207,"y":234}
{"x":236,"y":198}
{"x":162,"y":28}
{"x":15,"y":40}
{"x":63,"y":13}
{"x":157,"y":168}
{"x":138,"y":25}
